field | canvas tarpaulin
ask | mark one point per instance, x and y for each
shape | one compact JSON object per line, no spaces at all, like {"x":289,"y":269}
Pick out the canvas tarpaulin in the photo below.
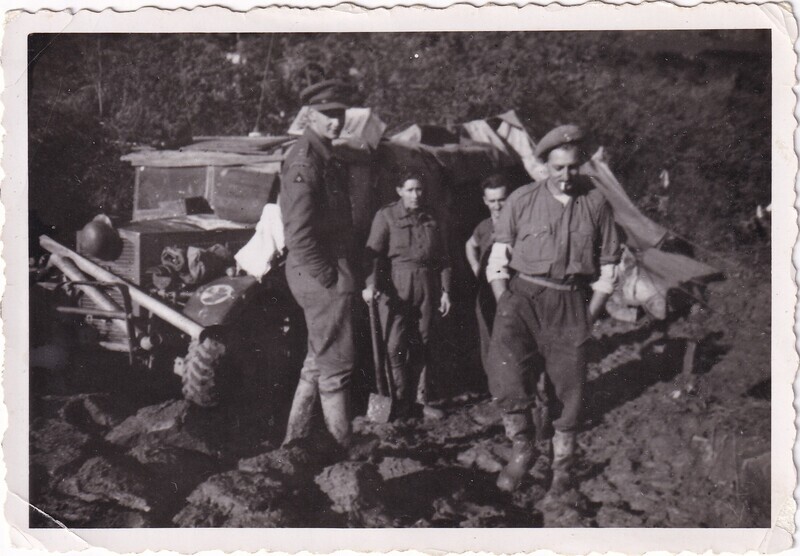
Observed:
{"x":657,"y":272}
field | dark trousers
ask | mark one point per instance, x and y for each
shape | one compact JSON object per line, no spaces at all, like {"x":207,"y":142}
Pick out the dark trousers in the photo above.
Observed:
{"x":330,"y":358}
{"x":539,"y":329}
{"x":485,"y":308}
{"x":407,"y":320}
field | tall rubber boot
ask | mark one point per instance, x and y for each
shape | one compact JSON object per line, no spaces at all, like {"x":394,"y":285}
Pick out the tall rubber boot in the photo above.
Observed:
{"x":336,"y":410}
{"x":518,"y":430}
{"x":563,"y":459}
{"x":299,"y":425}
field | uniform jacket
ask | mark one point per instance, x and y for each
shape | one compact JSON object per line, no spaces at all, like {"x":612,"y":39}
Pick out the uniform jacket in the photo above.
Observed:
{"x":554,"y":240}
{"x":316,"y":209}
{"x":409,"y":239}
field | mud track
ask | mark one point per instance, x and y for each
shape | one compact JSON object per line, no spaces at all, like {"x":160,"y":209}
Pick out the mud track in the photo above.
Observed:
{"x":659,"y":448}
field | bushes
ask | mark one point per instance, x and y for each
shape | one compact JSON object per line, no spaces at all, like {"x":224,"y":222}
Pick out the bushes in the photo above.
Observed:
{"x":703,"y":118}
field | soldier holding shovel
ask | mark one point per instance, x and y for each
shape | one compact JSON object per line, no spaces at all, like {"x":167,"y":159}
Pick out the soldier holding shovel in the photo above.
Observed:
{"x":410,"y":280}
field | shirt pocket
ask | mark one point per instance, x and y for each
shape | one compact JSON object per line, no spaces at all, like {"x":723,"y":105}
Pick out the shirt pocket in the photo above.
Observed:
{"x":581,"y":248}
{"x":430,"y":240}
{"x":537,"y":243}
{"x":399,"y":238}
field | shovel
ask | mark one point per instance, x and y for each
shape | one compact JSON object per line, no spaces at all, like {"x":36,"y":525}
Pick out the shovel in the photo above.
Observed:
{"x":379,"y":409}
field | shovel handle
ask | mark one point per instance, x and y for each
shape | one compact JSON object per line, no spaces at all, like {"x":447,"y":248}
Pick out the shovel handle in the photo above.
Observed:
{"x":377,"y":347}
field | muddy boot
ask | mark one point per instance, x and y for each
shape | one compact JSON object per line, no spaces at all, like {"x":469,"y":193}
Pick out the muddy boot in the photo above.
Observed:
{"x":336,"y":410}
{"x":563,"y":458}
{"x":518,"y":430}
{"x":302,"y":411}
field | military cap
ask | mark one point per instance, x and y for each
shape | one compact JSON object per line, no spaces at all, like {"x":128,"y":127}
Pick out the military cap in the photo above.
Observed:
{"x":558,"y":137}
{"x":330,"y":94}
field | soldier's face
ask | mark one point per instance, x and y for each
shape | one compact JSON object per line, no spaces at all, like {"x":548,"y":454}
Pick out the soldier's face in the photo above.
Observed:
{"x":562,"y":167}
{"x":411,"y":193}
{"x":326,"y":124}
{"x":494,"y":198}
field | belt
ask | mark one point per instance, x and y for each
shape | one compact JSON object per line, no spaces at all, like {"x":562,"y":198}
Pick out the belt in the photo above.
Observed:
{"x":548,"y":283}
{"x":413,"y":265}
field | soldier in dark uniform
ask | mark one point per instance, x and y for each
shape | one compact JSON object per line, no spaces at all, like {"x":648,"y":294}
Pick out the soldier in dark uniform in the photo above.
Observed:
{"x":410,"y":280}
{"x":559,"y":237}
{"x":315,"y":205}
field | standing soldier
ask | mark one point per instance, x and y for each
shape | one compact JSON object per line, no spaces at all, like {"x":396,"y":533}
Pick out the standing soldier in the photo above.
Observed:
{"x":495,"y":190}
{"x":558,"y":234}
{"x":409,"y":237}
{"x":315,"y":205}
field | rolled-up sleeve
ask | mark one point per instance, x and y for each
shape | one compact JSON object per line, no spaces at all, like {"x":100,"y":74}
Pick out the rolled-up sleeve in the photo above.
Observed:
{"x":505,"y":231}
{"x":301,"y":221}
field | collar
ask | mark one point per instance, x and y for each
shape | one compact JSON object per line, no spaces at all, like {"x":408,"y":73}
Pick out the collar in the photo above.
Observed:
{"x":318,"y":145}
{"x":402,"y":212}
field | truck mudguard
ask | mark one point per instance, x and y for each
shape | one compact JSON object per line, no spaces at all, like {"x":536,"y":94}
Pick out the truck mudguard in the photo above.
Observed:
{"x":220,"y":301}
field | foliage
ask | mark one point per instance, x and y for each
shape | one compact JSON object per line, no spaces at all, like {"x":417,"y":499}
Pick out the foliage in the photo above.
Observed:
{"x":702,"y":115}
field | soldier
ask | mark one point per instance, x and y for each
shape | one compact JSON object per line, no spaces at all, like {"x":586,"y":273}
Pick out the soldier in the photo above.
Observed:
{"x":409,"y":237}
{"x":495,"y":190}
{"x":315,"y":205}
{"x":558,"y":234}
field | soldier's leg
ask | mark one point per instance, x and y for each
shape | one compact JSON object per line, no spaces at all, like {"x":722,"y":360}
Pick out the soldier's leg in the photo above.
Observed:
{"x":566,"y":336}
{"x":427,"y":295}
{"x":512,"y":351}
{"x":394,"y":326}
{"x":330,"y":330}
{"x":305,"y":397}
{"x":484,"y":333}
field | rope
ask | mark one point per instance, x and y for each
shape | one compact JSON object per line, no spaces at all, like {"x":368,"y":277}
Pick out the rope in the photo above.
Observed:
{"x":264,"y":84}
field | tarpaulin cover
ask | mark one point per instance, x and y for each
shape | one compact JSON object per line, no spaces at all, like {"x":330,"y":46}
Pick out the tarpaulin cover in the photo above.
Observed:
{"x":641,"y":231}
{"x":656,"y":271}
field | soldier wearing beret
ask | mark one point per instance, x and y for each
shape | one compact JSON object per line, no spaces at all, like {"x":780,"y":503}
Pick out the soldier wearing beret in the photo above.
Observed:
{"x":315,"y":205}
{"x":407,"y":247}
{"x":559,"y":236}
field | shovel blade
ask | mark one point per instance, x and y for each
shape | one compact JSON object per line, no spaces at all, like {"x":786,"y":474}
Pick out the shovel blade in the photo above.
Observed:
{"x":379,"y":409}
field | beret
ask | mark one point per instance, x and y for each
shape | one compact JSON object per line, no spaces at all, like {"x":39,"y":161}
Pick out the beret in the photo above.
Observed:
{"x":561,"y":135}
{"x":326,"y":95}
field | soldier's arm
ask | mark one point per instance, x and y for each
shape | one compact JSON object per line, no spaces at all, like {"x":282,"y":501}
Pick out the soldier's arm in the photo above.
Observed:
{"x":300,"y":222}
{"x":473,"y":252}
{"x":377,"y":248}
{"x":444,"y":258}
{"x":610,"y":250}
{"x":505,"y":231}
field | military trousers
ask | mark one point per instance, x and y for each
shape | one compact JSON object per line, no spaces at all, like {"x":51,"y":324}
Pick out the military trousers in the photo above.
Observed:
{"x":406,"y":315}
{"x":537,"y":330}
{"x":329,"y":315}
{"x":485,"y":308}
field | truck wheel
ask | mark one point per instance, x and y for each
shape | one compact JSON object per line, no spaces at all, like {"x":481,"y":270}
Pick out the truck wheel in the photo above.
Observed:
{"x":199,"y":372}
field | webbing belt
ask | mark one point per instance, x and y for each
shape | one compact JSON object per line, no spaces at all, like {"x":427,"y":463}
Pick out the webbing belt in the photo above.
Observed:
{"x":547,"y":283}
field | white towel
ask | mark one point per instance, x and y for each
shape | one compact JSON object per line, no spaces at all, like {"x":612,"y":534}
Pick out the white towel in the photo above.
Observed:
{"x":258,"y":256}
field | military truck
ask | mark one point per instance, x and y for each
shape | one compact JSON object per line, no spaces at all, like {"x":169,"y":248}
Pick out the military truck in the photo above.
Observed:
{"x":164,"y":286}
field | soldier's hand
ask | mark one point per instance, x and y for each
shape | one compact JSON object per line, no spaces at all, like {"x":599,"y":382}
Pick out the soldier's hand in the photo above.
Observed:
{"x":476,"y":268}
{"x":445,"y":304}
{"x":369,"y":293}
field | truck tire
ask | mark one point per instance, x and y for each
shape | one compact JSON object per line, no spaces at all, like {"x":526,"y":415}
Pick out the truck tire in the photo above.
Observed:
{"x":200,"y":372}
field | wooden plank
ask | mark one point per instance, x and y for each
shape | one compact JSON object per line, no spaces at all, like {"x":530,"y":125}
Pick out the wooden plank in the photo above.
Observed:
{"x":185,"y":159}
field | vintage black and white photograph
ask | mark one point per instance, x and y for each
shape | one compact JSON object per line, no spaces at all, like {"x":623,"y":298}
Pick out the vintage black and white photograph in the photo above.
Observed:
{"x":439,"y":279}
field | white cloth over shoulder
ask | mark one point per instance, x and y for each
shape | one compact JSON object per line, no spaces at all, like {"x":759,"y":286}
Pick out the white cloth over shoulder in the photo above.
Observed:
{"x":258,"y":256}
{"x":497,"y":266}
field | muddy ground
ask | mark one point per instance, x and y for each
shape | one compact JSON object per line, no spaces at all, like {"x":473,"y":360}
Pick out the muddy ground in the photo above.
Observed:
{"x":112,"y":447}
